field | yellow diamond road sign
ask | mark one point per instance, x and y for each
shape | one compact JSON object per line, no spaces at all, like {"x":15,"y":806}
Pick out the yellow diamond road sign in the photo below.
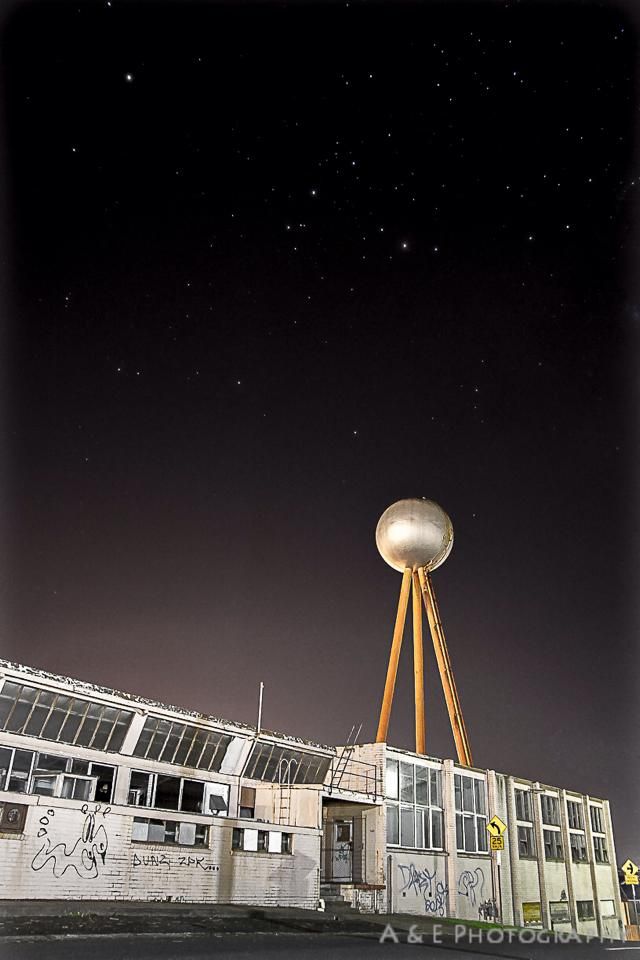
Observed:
{"x":496,"y":827}
{"x":630,"y":868}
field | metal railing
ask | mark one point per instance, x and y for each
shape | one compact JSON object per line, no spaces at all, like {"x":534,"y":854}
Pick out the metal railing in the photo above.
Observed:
{"x":349,"y":775}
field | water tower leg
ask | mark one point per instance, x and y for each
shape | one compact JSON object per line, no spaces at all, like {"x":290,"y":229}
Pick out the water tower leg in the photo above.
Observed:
{"x":446,"y":671}
{"x":394,"y":656}
{"x":418,"y":664}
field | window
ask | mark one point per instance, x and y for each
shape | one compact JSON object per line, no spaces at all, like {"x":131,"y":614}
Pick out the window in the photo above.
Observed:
{"x":177,"y":793}
{"x":526,"y":842}
{"x":417,"y":820}
{"x":261,"y":841}
{"x":600,"y":851}
{"x":578,"y":847}
{"x":169,"y":831}
{"x":523,"y":805}
{"x":277,"y":764}
{"x":181,"y":743}
{"x":50,"y":775}
{"x":559,"y":912}
{"x":596,"y":819}
{"x":247,"y":802}
{"x":585,"y":909}
{"x":61,"y":717}
{"x":574,"y":815}
{"x":550,"y":810}
{"x":471,"y":810}
{"x":552,"y":845}
{"x":392,"y":824}
{"x":607,"y":908}
{"x":391,"y":779}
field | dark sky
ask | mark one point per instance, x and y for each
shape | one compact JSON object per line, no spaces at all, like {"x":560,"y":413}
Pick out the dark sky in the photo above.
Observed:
{"x":271,"y":268}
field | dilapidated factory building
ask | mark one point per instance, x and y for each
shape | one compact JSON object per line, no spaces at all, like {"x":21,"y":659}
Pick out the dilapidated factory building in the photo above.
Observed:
{"x":109,"y":796}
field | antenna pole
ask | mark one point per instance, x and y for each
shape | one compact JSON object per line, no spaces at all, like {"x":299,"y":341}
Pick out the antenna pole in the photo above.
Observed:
{"x":260,"y":707}
{"x":394,"y":656}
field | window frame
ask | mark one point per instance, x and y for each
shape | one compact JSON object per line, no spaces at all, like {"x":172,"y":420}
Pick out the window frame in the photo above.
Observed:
{"x":471,"y":823}
{"x":424,"y":821}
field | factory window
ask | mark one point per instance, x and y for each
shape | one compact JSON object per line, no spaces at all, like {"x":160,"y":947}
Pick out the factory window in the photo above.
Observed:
{"x":523,"y":805}
{"x":261,"y":841}
{"x":559,"y":911}
{"x":277,"y":764}
{"x":50,"y":775}
{"x":578,"y":847}
{"x":247,"y":802}
{"x":600,"y":851}
{"x":181,"y":743}
{"x":471,"y":814}
{"x":67,"y":719}
{"x":596,"y":819}
{"x":607,"y":908}
{"x":574,"y":815}
{"x":526,"y":842}
{"x":552,"y":845}
{"x":550,"y":810}
{"x":585,"y":909}
{"x":177,"y":793}
{"x":417,"y":821}
{"x":169,"y":831}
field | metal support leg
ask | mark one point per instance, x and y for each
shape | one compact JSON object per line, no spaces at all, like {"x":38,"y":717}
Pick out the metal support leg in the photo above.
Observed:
{"x":394,"y":656}
{"x":418,"y":664}
{"x":446,"y":671}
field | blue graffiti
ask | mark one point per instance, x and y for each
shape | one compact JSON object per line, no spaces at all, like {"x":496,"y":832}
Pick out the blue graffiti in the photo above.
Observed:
{"x":423,"y":882}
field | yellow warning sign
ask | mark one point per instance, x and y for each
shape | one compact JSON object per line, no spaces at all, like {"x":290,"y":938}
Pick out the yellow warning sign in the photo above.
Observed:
{"x":630,"y":868}
{"x":497,"y":843}
{"x":630,"y":878}
{"x":496,"y":827}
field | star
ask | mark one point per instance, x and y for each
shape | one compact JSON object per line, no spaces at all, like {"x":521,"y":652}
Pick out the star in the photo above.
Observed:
{"x":128,"y":77}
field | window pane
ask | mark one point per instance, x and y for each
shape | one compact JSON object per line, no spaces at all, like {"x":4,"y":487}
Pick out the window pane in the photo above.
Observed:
{"x":119,"y":731}
{"x":467,"y":794}
{"x":406,"y":782}
{"x":459,"y":832}
{"x":104,"y":786}
{"x":469,"y":833}
{"x":478,"y":787}
{"x":156,"y":831}
{"x":88,"y":727}
{"x":140,"y":789}
{"x":436,"y":788}
{"x":71,"y":725}
{"x":457,"y":781}
{"x":187,"y":833}
{"x":392,"y":825}
{"x":44,"y":786}
{"x":237,"y":838}
{"x":58,"y":715}
{"x":8,"y":697}
{"x":192,"y":796}
{"x":436,"y":829}
{"x":171,"y":745}
{"x":407,"y":826}
{"x":5,"y":760}
{"x":391,"y":779}
{"x":419,"y":828}
{"x":48,"y":763}
{"x":482,"y":834}
{"x":21,"y":710}
{"x":422,"y":785}
{"x":157,"y":741}
{"x":167,"y":792}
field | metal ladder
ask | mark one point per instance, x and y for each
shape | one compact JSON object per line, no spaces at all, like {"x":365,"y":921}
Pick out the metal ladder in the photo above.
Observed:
{"x":346,"y":752}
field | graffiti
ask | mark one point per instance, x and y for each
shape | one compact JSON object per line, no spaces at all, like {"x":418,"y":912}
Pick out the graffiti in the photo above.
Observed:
{"x":423,"y":882}
{"x":471,"y":884}
{"x":151,"y":860}
{"x":85,"y":856}
{"x":342,"y":854}
{"x":164,"y":861}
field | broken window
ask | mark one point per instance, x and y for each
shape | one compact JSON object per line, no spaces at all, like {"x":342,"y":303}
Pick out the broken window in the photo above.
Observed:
{"x":187,"y":745}
{"x":578,"y":847}
{"x":600,"y":851}
{"x":276,"y":764}
{"x":550,"y":810}
{"x":574,"y":815}
{"x":526,"y":842}
{"x":552,"y":845}
{"x":523,"y":805}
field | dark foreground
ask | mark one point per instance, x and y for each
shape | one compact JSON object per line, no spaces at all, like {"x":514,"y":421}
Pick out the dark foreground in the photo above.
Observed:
{"x":31,"y":931}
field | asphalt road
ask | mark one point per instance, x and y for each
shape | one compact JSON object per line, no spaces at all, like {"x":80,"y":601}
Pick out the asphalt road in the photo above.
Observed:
{"x":289,"y":947}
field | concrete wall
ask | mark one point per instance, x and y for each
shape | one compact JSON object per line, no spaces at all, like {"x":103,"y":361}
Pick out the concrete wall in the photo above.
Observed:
{"x":84,"y":851}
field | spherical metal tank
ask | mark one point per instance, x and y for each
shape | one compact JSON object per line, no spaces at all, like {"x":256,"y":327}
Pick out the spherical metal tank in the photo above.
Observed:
{"x":414,"y":533}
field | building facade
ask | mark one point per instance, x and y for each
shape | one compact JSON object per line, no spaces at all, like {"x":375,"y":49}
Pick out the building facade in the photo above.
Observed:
{"x":104,"y":795}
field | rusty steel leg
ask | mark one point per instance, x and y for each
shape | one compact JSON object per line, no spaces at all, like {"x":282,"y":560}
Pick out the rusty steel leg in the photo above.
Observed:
{"x":418,"y":664}
{"x":446,"y":670}
{"x":394,"y":656}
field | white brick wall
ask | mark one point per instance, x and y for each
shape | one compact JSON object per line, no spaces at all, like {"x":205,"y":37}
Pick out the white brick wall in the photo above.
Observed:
{"x":74,"y":851}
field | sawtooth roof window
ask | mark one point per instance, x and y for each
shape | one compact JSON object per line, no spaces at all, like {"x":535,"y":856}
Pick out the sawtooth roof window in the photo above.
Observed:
{"x":181,"y":743}
{"x":270,"y":761}
{"x":66,"y":719}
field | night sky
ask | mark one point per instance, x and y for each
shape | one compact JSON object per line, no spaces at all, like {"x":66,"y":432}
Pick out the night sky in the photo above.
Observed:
{"x":269,"y":269}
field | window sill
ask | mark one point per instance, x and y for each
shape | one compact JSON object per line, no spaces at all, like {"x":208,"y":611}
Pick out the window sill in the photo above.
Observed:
{"x":170,"y":843}
{"x":263,"y":853}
